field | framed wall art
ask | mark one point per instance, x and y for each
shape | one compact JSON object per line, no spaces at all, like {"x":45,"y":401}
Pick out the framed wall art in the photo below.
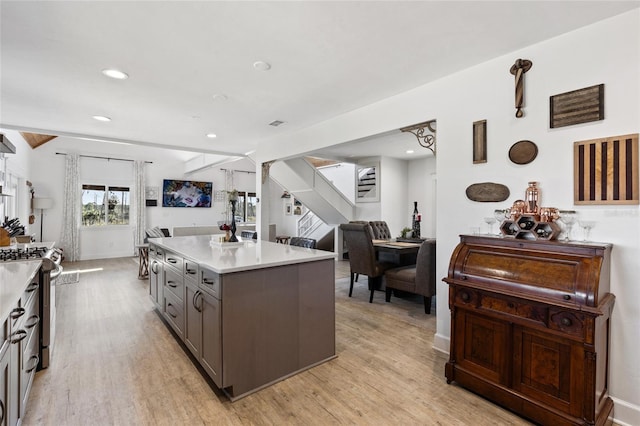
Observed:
{"x":606,"y":170}
{"x":480,"y":141}
{"x":577,"y":106}
{"x":367,"y":185}
{"x":186,"y":193}
{"x":151,"y":196}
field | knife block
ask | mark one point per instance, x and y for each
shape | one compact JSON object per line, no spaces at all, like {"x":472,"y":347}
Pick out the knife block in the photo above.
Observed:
{"x":5,"y":240}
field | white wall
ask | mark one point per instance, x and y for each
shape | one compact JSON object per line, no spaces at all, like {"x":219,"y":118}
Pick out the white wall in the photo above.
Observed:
{"x":393,"y":194}
{"x":342,"y":176}
{"x":607,"y":52}
{"x":421,"y":187}
{"x":18,"y":165}
{"x":47,"y":175}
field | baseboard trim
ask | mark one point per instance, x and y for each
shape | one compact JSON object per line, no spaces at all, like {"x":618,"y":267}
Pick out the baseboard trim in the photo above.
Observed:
{"x":441,"y":343}
{"x":625,"y":413}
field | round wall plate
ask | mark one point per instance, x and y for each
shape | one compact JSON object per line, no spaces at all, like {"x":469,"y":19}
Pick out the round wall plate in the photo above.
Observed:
{"x":523,"y":152}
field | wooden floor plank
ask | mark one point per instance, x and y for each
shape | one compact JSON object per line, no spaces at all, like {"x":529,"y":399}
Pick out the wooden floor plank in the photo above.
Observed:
{"x":116,"y":363}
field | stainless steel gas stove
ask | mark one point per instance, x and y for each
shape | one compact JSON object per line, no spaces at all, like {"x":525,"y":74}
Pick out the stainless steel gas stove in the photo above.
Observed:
{"x":50,"y":270}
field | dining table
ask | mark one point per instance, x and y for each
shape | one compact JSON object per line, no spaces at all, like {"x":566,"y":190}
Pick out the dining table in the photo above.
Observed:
{"x":401,"y":253}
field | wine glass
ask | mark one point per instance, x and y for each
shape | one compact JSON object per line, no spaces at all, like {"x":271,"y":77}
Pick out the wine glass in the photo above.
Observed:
{"x":490,"y":220}
{"x":501,"y":215}
{"x":568,"y":217}
{"x":586,"y":226}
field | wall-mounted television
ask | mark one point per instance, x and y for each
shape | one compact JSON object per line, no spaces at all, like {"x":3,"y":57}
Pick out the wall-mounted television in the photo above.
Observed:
{"x":186,"y":193}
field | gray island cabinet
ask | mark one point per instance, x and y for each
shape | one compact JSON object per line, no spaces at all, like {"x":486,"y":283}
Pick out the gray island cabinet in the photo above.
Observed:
{"x":251,"y":313}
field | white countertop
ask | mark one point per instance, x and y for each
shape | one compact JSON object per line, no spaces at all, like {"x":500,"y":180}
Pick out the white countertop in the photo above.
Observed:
{"x":47,"y":244}
{"x":14,"y":278}
{"x":251,"y":254}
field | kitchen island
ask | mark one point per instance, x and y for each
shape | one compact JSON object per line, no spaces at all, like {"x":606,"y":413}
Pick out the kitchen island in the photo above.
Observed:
{"x":251,"y":313}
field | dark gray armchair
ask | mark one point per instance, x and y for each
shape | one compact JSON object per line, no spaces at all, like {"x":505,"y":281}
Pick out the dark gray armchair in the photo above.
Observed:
{"x":362,"y":255}
{"x":417,"y":279}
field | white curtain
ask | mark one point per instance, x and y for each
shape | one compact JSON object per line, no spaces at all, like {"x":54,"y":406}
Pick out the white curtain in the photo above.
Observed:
{"x":71,"y":210}
{"x":139,"y":204}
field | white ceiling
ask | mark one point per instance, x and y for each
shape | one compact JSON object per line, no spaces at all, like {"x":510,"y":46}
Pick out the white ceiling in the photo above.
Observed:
{"x":327,"y":58}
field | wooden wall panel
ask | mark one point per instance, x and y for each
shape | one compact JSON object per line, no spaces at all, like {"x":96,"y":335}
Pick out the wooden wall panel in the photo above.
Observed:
{"x":606,"y":170}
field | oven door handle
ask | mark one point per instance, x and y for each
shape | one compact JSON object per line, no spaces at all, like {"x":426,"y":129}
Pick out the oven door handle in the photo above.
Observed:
{"x":56,"y":272}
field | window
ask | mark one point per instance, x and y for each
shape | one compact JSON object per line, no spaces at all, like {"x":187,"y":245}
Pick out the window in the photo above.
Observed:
{"x":105,"y":205}
{"x":246,"y":209}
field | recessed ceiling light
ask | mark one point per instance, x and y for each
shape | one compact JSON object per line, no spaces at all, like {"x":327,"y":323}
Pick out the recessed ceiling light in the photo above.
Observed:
{"x":101,"y":118}
{"x":261,"y":66}
{"x":212,"y":135}
{"x":114,"y":73}
{"x":219,"y":97}
{"x":409,"y":151}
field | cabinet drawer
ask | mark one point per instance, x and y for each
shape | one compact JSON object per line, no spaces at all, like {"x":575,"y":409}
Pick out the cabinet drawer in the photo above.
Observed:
{"x":30,"y":354}
{"x":190,"y":270}
{"x":30,"y":294}
{"x":174,"y":283}
{"x":515,"y":307}
{"x":173,"y":260}
{"x":210,"y":282}
{"x":156,"y":252}
{"x":31,"y":326}
{"x":174,"y":313}
{"x":567,"y":322}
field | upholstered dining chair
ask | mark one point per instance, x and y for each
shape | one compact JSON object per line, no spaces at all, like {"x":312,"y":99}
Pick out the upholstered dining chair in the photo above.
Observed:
{"x":303,"y":242}
{"x":417,"y":279}
{"x":362,"y":255}
{"x":380,"y":230}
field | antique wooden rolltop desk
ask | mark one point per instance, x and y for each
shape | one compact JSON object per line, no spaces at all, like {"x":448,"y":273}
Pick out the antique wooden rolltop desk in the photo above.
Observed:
{"x":530,"y":326}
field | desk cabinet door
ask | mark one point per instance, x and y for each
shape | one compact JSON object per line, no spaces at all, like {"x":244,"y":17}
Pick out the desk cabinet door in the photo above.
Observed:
{"x":550,"y":369}
{"x":482,"y":345}
{"x":193,"y":320}
{"x":4,"y":388}
{"x":212,"y":338}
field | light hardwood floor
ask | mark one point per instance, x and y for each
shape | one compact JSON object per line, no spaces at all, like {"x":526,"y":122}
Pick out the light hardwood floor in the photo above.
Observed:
{"x":116,"y":363}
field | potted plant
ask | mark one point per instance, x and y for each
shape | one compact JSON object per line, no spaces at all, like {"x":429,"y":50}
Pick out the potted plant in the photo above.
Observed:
{"x":404,"y":232}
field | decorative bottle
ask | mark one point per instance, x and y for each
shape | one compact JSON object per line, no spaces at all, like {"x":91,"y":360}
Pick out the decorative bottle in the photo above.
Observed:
{"x":415,"y":223}
{"x":531,"y":198}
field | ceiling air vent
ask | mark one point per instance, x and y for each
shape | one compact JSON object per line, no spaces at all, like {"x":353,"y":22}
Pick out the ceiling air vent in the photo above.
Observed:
{"x":6,"y":146}
{"x":276,"y":123}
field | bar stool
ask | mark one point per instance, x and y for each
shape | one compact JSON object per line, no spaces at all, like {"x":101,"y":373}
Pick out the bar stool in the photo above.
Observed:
{"x":143,"y":268}
{"x":282,"y":239}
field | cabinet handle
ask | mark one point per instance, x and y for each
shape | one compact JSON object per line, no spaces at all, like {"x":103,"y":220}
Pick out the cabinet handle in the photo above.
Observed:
{"x":36,"y":360}
{"x":208,"y":281}
{"x":171,"y":284}
{"x":18,"y":336}
{"x":465,"y":296}
{"x":566,"y":297}
{"x":566,"y":322}
{"x":195,"y":301}
{"x":34,"y":322}
{"x":191,"y":271}
{"x":17,"y":313}
{"x":32,"y":287}
{"x":170,"y":306}
{"x":171,"y":260}
{"x":1,"y":412}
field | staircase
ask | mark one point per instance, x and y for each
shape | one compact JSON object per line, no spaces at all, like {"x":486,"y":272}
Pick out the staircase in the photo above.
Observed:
{"x":304,"y":182}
